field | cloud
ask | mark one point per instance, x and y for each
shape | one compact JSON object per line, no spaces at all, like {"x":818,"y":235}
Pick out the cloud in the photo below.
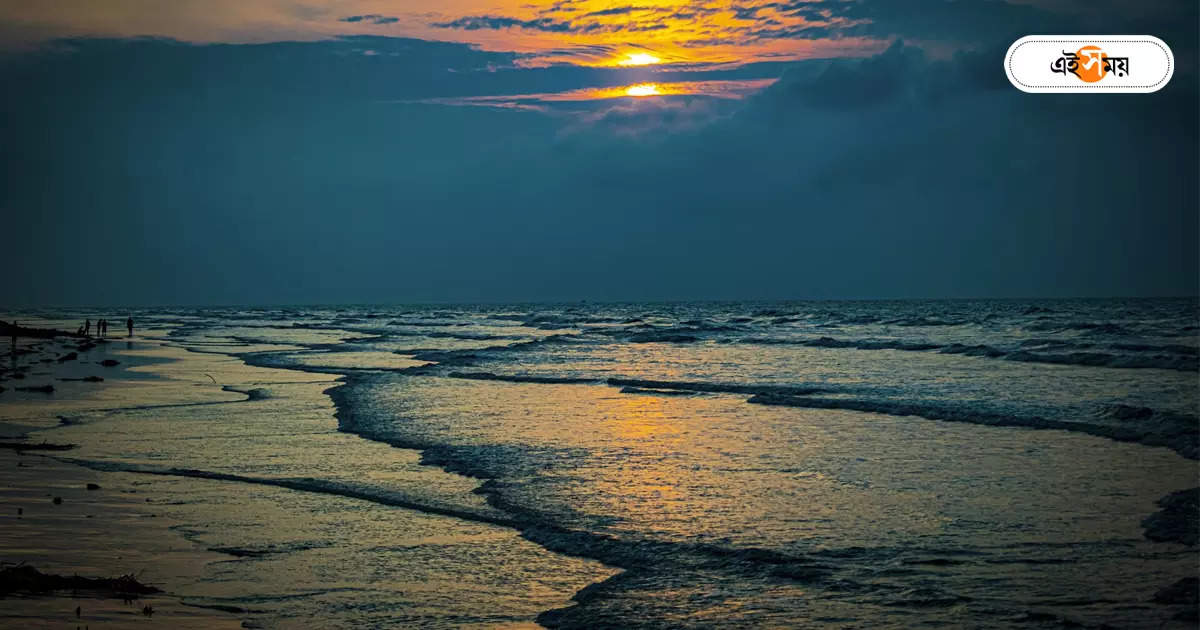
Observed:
{"x":626,"y":10}
{"x":286,"y":173}
{"x":697,"y":22}
{"x":478,"y":22}
{"x":371,"y":19}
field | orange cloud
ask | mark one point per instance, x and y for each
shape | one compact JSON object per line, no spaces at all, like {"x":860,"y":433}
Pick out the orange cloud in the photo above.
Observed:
{"x":585,"y":32}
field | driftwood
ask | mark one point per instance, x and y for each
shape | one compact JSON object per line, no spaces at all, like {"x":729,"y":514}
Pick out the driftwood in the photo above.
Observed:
{"x":7,"y":330}
{"x":26,"y":579}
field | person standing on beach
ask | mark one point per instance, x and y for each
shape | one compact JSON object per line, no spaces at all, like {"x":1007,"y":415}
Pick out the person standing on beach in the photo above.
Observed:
{"x":103,"y":327}
{"x":87,"y":327}
{"x":129,"y":325}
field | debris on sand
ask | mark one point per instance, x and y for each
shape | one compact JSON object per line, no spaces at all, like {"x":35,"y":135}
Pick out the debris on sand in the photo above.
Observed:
{"x":26,"y":579}
{"x":110,"y":362}
{"x":1185,"y":591}
{"x":9,"y":330}
{"x":34,"y":446}
{"x":93,"y":486}
{"x":1178,"y":520}
{"x":40,"y":389}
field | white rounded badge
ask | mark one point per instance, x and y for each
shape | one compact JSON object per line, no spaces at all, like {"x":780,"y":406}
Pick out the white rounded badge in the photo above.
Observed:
{"x":1089,"y":63}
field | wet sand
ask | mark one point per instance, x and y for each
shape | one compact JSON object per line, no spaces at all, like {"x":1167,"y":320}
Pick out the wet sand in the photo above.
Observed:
{"x":106,"y":532}
{"x":106,"y":525}
{"x":257,"y":549}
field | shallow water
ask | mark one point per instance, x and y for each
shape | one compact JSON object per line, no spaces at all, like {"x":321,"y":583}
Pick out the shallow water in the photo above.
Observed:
{"x":985,"y":464}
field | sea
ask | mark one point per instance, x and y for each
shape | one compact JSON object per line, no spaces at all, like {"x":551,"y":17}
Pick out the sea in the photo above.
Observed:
{"x":807,"y":464}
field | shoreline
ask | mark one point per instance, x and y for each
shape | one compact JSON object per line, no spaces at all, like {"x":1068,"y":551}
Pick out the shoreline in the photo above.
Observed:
{"x":105,"y":532}
{"x":212,"y":392}
{"x":64,"y":519}
{"x":81,"y":412}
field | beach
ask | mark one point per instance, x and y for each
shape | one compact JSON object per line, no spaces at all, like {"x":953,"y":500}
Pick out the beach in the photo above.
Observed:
{"x":258,"y":540}
{"x":795,"y":465}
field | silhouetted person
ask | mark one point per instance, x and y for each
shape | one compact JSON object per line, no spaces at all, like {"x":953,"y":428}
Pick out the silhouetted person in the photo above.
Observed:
{"x":104,"y":328}
{"x":129,"y":325}
{"x":87,"y":327}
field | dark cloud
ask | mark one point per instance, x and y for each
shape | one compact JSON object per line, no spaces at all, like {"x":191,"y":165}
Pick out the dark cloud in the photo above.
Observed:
{"x":371,"y":18}
{"x":626,"y":10}
{"x":287,"y":173}
{"x":479,"y":22}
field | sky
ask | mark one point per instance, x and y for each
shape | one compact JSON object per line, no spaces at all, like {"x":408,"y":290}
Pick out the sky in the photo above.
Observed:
{"x":384,"y":151}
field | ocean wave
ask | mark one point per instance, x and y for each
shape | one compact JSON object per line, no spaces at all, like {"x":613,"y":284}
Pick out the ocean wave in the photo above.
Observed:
{"x":858,"y":320}
{"x":926,"y":322}
{"x":718,"y":388}
{"x":662,"y":337}
{"x":309,"y":484}
{"x":424,"y":323}
{"x":468,"y":357}
{"x":1105,"y":359}
{"x":772,"y":312}
{"x":871,"y":344}
{"x":1054,"y":344}
{"x":689,"y":331}
{"x":977,"y":350}
{"x":466,"y":336}
{"x":1154,"y":428}
{"x":649,"y":386}
{"x":492,"y":462}
{"x":521,"y":378}
{"x":1144,"y":347}
{"x":507,"y":317}
{"x":1135,"y":356}
{"x":1086,"y":327}
{"x":656,"y":392}
{"x":926,"y":597}
{"x":561,"y":321}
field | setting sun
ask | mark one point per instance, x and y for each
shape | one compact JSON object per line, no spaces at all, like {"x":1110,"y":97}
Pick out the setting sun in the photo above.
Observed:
{"x":639,"y":59}
{"x":642,"y":89}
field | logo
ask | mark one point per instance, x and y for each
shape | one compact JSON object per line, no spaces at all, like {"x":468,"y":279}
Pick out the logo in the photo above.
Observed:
{"x":1089,"y":63}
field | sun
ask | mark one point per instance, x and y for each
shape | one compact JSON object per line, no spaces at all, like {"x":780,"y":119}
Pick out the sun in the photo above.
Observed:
{"x":639,"y":59}
{"x":642,"y":89}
